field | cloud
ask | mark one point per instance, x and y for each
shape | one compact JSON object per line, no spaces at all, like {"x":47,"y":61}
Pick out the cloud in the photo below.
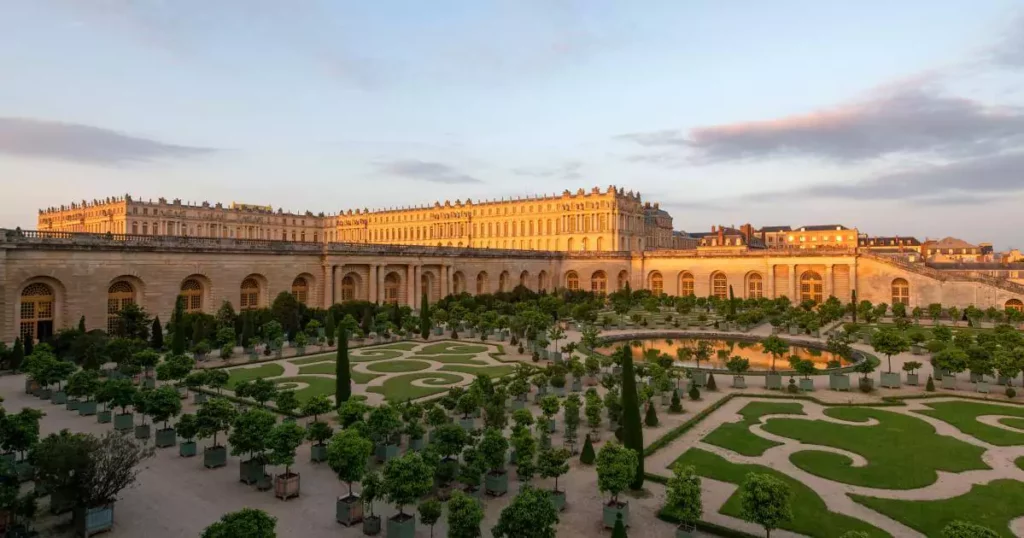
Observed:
{"x":426,"y":171}
{"x":1009,"y":51}
{"x":902,"y":120}
{"x":25,"y":137}
{"x":568,"y":170}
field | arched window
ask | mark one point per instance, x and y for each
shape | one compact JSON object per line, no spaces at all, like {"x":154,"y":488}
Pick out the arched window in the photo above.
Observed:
{"x":1015,"y":304}
{"x":300,"y":290}
{"x":600,"y":243}
{"x":458,"y":283}
{"x":481,"y":283}
{"x":348,"y":288}
{"x":623,"y":280}
{"x":720,"y":286}
{"x":572,"y":281}
{"x":36,"y":312}
{"x":755,"y":286}
{"x":503,"y":282}
{"x":119,"y":295}
{"x":900,"y":291}
{"x":568,"y":245}
{"x":192,"y":291}
{"x":391,"y":282}
{"x":599,"y":282}
{"x":811,"y":288}
{"x":686,"y":284}
{"x":250,"y":294}
{"x":542,"y":281}
{"x":656,"y":283}
{"x":524,"y":279}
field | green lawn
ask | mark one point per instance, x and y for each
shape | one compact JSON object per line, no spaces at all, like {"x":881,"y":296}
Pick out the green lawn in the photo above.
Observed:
{"x":323,"y":357}
{"x":991,"y":505}
{"x":963,"y":415}
{"x":400,"y":388}
{"x":317,"y":385}
{"x":237,"y":375}
{"x":372,"y":354}
{"x":404,"y":346}
{"x":399,"y":365}
{"x":902,"y":451}
{"x":810,"y":515}
{"x":451,"y":359}
{"x":1013,"y":423}
{"x":493,"y":371}
{"x":736,"y":436}
{"x":441,"y":348}
{"x":327,"y":368}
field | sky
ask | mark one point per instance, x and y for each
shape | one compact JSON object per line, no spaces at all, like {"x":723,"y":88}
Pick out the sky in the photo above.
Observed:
{"x":899,"y":118}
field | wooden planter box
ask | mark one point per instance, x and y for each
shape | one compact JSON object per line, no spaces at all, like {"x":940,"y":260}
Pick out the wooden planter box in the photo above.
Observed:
{"x":104,"y":417}
{"x":400,"y":526}
{"x":142,"y":432}
{"x":773,"y":382}
{"x":187,"y":449}
{"x":890,"y":380}
{"x":250,"y":471}
{"x":318,"y":453}
{"x":348,"y":510}
{"x":86,"y":409}
{"x":739,"y":382}
{"x":496,"y":484}
{"x":839,"y":382}
{"x":807,"y":385}
{"x":386,"y":453}
{"x":72,"y":404}
{"x":265,"y":483}
{"x":558,"y":500}
{"x":166,"y":437}
{"x":58,"y":397}
{"x":611,"y":513}
{"x":215,"y":456}
{"x":912,"y":379}
{"x":125,"y":422}
{"x":982,"y":387}
{"x":286,"y":486}
{"x":371,"y":525}
{"x":949,"y":382}
{"x":417,"y":445}
{"x":90,"y":521}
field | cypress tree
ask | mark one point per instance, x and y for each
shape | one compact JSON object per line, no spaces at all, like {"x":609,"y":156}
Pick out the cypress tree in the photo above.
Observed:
{"x":632,"y":434}
{"x":18,"y":355}
{"x":424,"y":317}
{"x":711,"y":382}
{"x":81,"y":324}
{"x":367,"y":324}
{"x":246,"y":331}
{"x":329,"y":327}
{"x":178,"y":327}
{"x":29,"y":345}
{"x":620,"y":528}
{"x":651,"y":420}
{"x":853,"y":303}
{"x":930,"y":385}
{"x":342,"y":376}
{"x":587,"y":456}
{"x":732,"y":303}
{"x":156,"y":340}
{"x":677,"y":406}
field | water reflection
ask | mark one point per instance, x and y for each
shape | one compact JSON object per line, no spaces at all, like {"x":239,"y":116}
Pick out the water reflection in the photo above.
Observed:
{"x":722,"y":350}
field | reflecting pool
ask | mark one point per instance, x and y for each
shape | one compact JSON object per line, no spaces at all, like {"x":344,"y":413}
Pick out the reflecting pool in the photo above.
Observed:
{"x":721,"y":350}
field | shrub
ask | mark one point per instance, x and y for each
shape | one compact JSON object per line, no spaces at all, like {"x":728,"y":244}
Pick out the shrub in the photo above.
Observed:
{"x":677,"y":406}
{"x":1010,"y":392}
{"x":651,"y":419}
{"x":930,"y":385}
{"x":792,"y":388}
{"x":694,"y":392}
{"x":711,"y":382}
{"x":587,"y":456}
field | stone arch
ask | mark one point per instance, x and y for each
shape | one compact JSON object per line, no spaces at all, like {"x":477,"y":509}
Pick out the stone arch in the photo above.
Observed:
{"x":656,"y":283}
{"x":40,"y":307}
{"x":686,"y":284}
{"x":572,"y":281}
{"x":599,"y":282}
{"x":900,"y":291}
{"x":351,"y":287}
{"x":458,"y":283}
{"x":755,"y":285}
{"x":196,"y":291}
{"x":504,"y":280}
{"x":719,"y":285}
{"x":121,"y":292}
{"x":811,"y":287}
{"x":542,"y":281}
{"x":302,"y":288}
{"x":623,"y":279}
{"x":1014,"y":304}
{"x":483,"y":284}
{"x":524,"y":279}
{"x":392,"y":287}
{"x":252,"y":292}
{"x":600,"y":244}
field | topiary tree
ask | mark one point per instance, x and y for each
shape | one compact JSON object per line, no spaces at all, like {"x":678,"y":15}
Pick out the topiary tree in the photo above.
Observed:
{"x":774,"y":346}
{"x":619,"y":531}
{"x":430,"y":509}
{"x":765,"y":500}
{"x":245,"y":523}
{"x":316,"y":406}
{"x":217,"y":379}
{"x":529,"y":515}
{"x":587,"y":455}
{"x":406,"y":479}
{"x":632,"y":432}
{"x":250,"y":435}
{"x":889,"y":342}
{"x":286,"y":402}
{"x":553,"y":463}
{"x":651,"y":419}
{"x":215,"y":416}
{"x":162,"y":405}
{"x":684,"y":496}
{"x":342,"y":374}
{"x":83,"y":384}
{"x":283,"y":441}
{"x":694,"y":392}
{"x":464,"y":516}
{"x":616,"y":467}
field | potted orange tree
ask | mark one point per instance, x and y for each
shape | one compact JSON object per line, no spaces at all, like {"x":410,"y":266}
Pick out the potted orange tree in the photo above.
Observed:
{"x":347,"y":454}
{"x":284,"y":440}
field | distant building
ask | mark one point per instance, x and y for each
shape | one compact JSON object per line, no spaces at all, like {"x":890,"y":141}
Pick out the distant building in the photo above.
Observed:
{"x":907,"y":248}
{"x":951,"y":249}
{"x":774,"y":236}
{"x":727,"y":237}
{"x":828,"y":236}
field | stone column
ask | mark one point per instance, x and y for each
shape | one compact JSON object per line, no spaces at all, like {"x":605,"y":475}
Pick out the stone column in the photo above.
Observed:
{"x":792,"y":284}
{"x":853,"y":279}
{"x":414,"y":301}
{"x":770,"y":292}
{"x":829,"y":287}
{"x":371,"y":294}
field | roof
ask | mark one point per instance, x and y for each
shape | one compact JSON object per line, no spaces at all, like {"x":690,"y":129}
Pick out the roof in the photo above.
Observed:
{"x":890,"y":241}
{"x":775,"y":229}
{"x":951,"y":242}
{"x":823,"y":227}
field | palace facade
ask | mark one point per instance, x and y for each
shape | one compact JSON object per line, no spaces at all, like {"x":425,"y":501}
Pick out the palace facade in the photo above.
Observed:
{"x":595,"y":220}
{"x":48,"y":280}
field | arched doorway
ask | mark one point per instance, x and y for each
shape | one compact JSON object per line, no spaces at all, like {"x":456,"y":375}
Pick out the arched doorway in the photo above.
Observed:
{"x":392,"y":283}
{"x":192,"y":291}
{"x":623,"y":280}
{"x":572,"y":281}
{"x":542,"y":281}
{"x":811,"y":287}
{"x":524,"y":279}
{"x":503,"y":282}
{"x":36,"y":312}
{"x":300,"y":289}
{"x":1014,"y":304}
{"x":599,"y":282}
{"x":656,"y":283}
{"x":720,"y":286}
{"x":686,"y":284}
{"x":349,"y":287}
{"x":755,"y":286}
{"x":482,"y":285}
{"x":250,"y":294}
{"x":458,"y":283}
{"x":120,"y":294}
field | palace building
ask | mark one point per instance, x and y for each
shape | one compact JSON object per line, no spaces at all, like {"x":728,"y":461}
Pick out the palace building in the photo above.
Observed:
{"x":91,"y":259}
